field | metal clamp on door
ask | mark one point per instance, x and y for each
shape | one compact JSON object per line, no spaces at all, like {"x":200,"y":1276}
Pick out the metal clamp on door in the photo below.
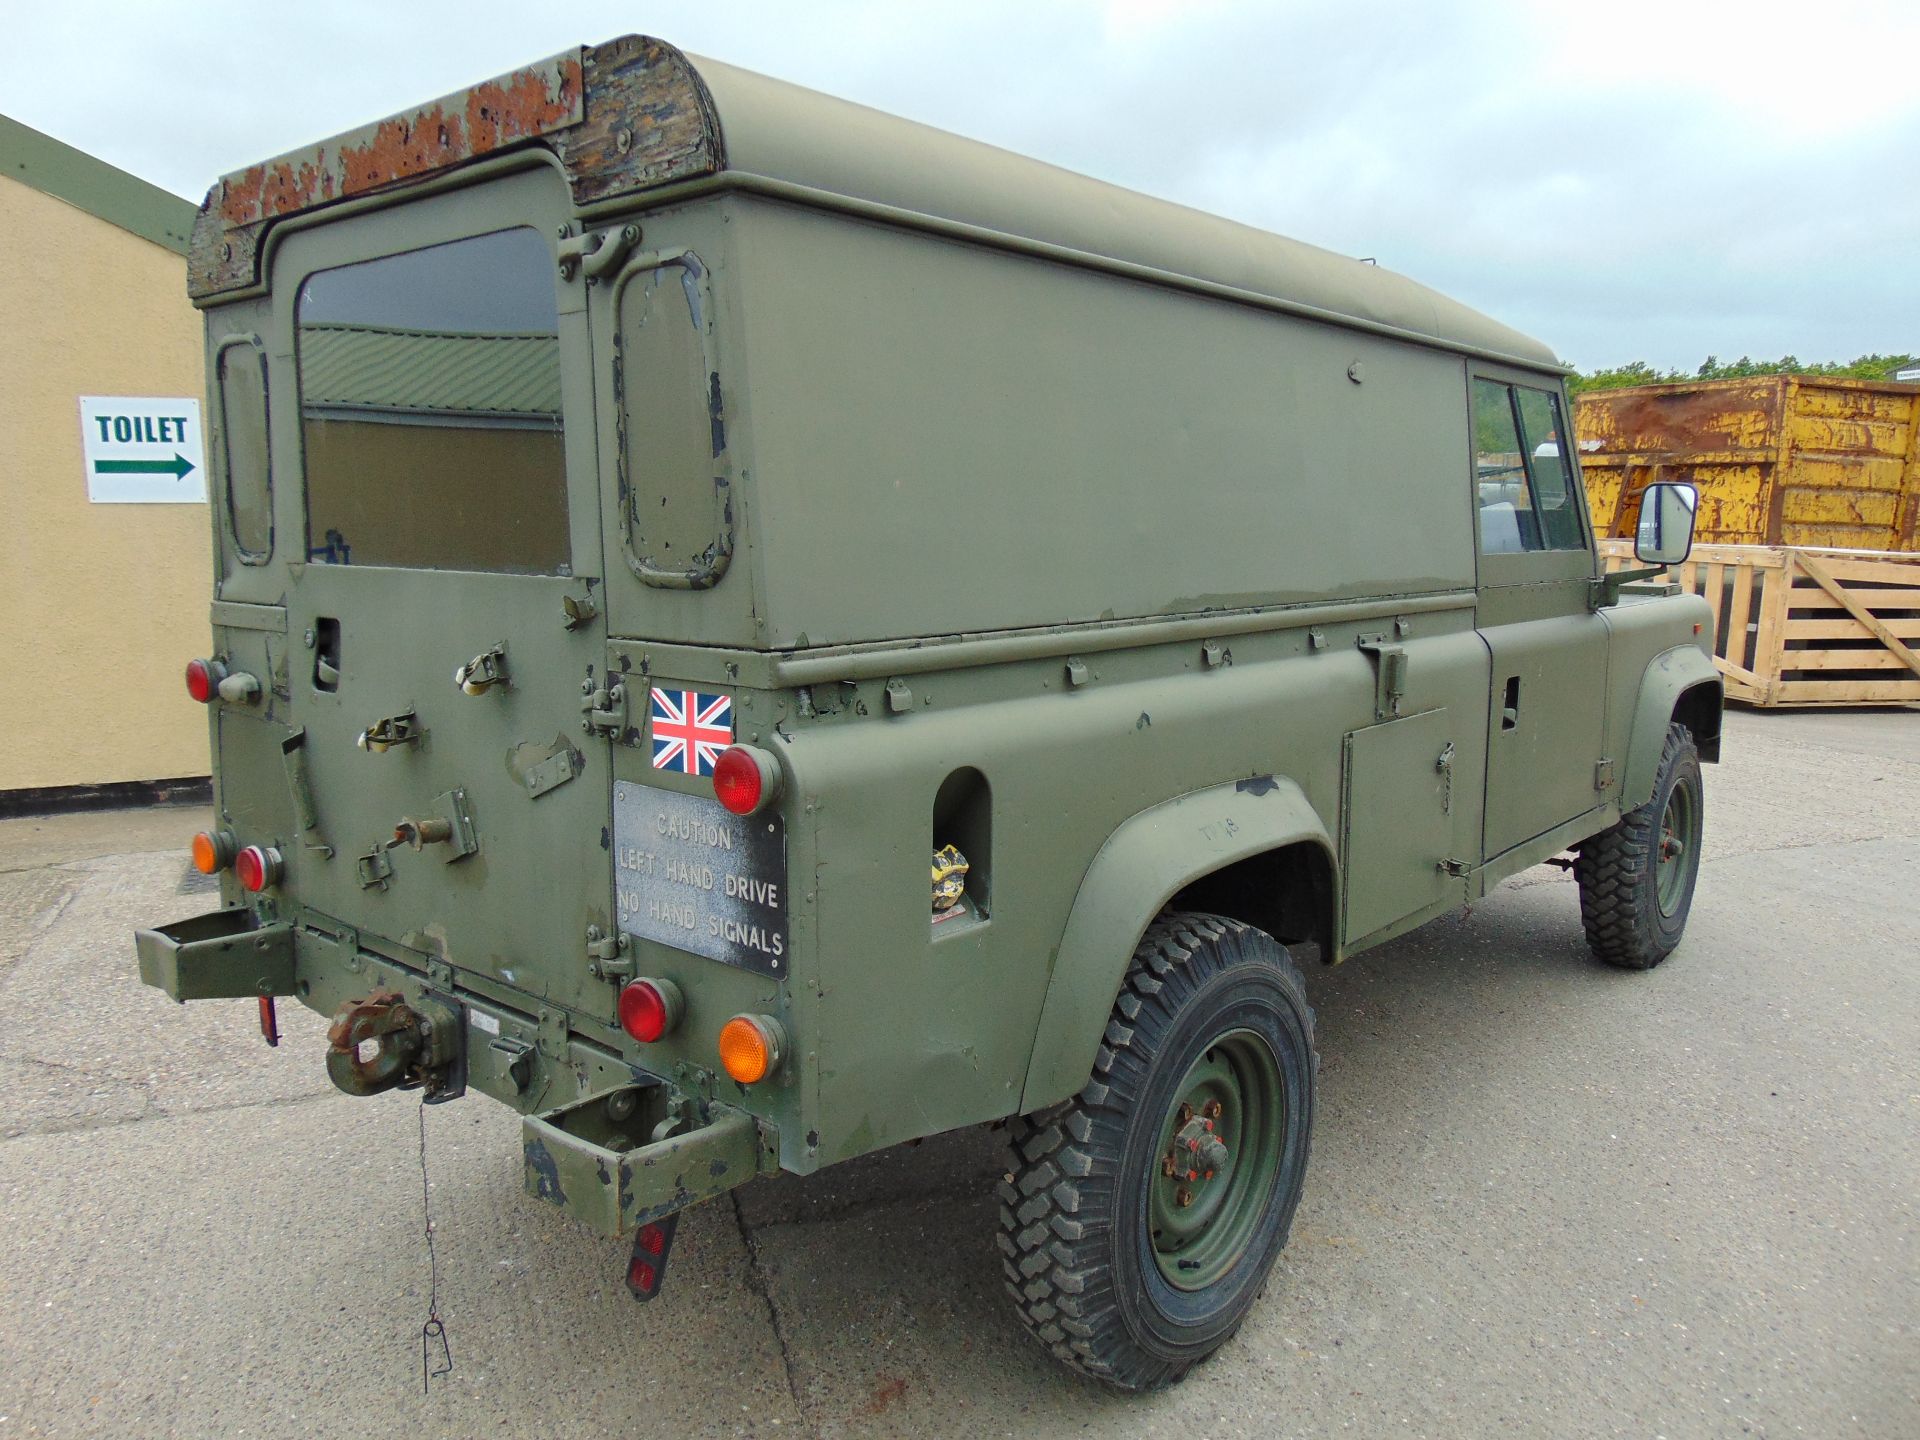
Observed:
{"x":1389,"y":674}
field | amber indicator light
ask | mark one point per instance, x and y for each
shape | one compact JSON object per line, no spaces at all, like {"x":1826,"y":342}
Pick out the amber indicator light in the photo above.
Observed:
{"x":749,"y":1048}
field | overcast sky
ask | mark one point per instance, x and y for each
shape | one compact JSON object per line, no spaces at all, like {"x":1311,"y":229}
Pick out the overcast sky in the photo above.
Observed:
{"x":1626,"y":179}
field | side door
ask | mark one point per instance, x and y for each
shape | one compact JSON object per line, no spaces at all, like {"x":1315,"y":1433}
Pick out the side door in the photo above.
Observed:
{"x":1548,"y":647}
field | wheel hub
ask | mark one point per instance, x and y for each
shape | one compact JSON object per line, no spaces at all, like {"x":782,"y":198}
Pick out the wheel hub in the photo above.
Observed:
{"x":1218,"y":1152}
{"x":1197,"y":1154}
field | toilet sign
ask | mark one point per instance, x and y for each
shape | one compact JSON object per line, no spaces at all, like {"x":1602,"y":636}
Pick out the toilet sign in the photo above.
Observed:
{"x":142,"y":451}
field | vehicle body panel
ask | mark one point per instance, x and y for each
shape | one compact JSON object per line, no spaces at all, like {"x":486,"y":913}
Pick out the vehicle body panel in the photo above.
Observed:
{"x":1130,"y":550}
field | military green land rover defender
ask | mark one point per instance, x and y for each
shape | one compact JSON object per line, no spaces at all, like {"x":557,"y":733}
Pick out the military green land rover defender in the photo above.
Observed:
{"x":753,"y":631}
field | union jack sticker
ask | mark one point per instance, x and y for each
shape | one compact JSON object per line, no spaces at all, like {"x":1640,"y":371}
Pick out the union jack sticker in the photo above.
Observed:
{"x":690,"y":729}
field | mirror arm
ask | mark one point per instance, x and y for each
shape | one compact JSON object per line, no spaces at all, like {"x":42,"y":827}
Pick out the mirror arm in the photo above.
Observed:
{"x":1606,"y":589}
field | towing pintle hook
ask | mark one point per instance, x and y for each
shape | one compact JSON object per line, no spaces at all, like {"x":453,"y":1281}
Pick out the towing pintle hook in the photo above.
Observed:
{"x":385,"y":1042}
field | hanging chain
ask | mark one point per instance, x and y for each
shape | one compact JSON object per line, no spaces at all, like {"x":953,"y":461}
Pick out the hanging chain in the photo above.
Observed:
{"x":435,"y":1329}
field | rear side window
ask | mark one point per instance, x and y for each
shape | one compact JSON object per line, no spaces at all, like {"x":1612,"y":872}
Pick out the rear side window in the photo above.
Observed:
{"x":1522,"y":477}
{"x":430,"y":409}
{"x":246,"y":469}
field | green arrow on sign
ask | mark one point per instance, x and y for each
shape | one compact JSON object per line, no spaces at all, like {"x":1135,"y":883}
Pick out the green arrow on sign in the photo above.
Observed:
{"x":177,"y":467}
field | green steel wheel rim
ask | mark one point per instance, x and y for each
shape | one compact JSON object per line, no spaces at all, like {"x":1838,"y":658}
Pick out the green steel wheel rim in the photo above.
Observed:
{"x":1679,"y":846}
{"x":1204,"y":1204}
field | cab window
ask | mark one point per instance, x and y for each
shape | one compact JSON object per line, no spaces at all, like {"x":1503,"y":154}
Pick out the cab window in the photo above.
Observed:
{"x":1523,"y":479}
{"x":430,"y":409}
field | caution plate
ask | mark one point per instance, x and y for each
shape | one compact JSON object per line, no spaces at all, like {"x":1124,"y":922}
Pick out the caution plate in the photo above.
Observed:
{"x":687,"y":872}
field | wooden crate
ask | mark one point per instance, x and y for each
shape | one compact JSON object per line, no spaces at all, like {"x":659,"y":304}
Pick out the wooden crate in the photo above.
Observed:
{"x":1795,"y":625}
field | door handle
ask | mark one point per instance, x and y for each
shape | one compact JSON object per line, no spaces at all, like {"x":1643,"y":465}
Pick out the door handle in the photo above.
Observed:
{"x":1510,"y":709}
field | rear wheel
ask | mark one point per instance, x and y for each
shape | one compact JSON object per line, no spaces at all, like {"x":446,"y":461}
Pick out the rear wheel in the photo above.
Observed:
{"x":1142,"y":1216}
{"x":1637,"y":879}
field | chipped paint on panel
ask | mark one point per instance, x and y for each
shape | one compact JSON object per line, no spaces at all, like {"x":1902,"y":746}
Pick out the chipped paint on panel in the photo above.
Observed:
{"x":621,"y":117}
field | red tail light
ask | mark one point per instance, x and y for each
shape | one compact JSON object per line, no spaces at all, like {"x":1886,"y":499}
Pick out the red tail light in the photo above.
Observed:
{"x":650,"y":1009}
{"x":257,"y":867}
{"x":203,"y":679}
{"x":746,"y":780}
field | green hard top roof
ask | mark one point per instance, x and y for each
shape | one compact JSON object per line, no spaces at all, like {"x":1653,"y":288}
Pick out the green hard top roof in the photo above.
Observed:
{"x":636,"y":114}
{"x":789,"y":133}
{"x":102,"y":190}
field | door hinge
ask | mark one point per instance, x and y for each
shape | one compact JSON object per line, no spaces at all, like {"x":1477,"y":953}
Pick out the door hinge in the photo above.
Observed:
{"x":1603,"y":774}
{"x":1458,"y":868}
{"x":607,"y":957}
{"x":603,"y":708}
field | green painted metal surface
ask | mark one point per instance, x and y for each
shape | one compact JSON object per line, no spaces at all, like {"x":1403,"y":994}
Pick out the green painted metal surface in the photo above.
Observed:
{"x":1142,"y":557}
{"x":102,"y":190}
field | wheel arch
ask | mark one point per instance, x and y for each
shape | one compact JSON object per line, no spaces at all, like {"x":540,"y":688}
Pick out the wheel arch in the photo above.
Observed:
{"x":1678,"y":684}
{"x":1254,"y":849}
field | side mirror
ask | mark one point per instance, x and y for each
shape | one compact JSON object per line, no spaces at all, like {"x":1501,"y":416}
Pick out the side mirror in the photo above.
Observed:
{"x":1664,"y":535}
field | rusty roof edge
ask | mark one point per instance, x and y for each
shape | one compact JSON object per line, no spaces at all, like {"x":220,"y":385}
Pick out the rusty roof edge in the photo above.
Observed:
{"x":620,"y":117}
{"x":89,"y":183}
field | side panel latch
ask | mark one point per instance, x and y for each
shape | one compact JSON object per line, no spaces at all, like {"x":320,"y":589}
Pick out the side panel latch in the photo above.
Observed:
{"x":1389,"y":674}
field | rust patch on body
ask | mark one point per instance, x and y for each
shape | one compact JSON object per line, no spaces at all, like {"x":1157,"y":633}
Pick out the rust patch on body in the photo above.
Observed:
{"x":620,"y":117}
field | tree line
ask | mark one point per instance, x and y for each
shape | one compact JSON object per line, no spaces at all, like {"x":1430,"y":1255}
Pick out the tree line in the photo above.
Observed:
{"x":1638,"y":372}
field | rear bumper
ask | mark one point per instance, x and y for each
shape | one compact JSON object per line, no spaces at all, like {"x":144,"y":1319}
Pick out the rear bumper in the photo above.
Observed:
{"x":598,"y":1159}
{"x":219,"y":956}
{"x":605,"y":1141}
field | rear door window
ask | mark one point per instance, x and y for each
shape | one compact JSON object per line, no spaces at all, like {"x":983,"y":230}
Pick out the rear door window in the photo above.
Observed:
{"x":430,"y":409}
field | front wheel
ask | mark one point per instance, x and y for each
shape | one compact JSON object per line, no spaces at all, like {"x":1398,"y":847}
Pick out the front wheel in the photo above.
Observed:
{"x":1637,"y":879}
{"x":1140,"y":1218}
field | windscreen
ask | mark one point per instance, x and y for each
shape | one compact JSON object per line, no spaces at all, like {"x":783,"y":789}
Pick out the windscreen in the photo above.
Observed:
{"x":430,"y":409}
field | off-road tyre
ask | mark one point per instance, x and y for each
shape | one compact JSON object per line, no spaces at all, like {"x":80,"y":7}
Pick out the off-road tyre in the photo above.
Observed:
{"x":1083,"y":1262}
{"x":1628,"y":920}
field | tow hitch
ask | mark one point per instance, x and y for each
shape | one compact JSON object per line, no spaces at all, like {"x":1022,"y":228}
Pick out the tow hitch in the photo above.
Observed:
{"x":386,"y":1041}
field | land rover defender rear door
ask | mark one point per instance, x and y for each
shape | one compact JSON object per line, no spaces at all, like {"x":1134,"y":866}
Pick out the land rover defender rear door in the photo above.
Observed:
{"x":442,"y":626}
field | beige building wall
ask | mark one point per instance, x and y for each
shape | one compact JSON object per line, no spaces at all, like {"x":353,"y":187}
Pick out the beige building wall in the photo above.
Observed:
{"x":101,"y":606}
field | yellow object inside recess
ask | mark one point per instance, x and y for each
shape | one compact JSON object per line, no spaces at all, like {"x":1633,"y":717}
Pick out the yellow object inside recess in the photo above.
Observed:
{"x":949,"y":877}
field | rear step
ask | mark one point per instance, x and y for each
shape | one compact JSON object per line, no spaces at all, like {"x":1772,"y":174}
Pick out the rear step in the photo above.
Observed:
{"x":626,"y":1158}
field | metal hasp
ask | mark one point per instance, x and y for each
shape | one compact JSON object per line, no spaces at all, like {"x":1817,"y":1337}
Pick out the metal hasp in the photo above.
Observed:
{"x":392,"y":730}
{"x":383,"y":1042}
{"x":1389,"y":674}
{"x":483,"y":672}
{"x":613,"y":1161}
{"x":224,"y":955}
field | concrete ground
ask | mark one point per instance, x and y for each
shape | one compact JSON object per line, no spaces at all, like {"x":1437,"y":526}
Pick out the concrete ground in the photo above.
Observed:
{"x":1547,"y":1198}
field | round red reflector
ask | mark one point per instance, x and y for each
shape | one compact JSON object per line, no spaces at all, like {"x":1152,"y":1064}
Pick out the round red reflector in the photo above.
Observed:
{"x":643,"y":1011}
{"x":202,"y":683}
{"x":257,"y":867}
{"x":737,"y":782}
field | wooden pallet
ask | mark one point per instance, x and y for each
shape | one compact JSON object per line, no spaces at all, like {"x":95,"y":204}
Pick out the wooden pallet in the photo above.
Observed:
{"x":1795,"y":625}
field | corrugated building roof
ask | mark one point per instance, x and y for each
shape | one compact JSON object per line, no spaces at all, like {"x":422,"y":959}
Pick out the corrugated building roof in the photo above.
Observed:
{"x":427,"y":372}
{"x":102,"y":190}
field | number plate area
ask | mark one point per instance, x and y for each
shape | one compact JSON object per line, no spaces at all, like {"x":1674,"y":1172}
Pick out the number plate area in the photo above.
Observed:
{"x":689,"y":873}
